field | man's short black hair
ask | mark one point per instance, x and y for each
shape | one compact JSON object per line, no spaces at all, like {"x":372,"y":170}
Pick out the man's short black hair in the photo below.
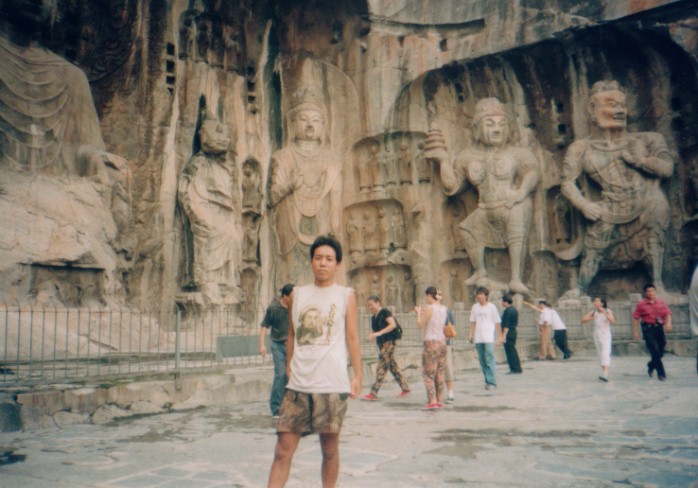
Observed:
{"x":287,"y":289}
{"x":544,"y":303}
{"x":483,"y":290}
{"x":507,"y":298}
{"x":327,"y":241}
{"x":374,"y":298}
{"x":648,"y":285}
{"x":431,"y":291}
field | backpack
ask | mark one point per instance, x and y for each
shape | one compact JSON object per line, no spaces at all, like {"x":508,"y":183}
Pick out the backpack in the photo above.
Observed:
{"x":397,"y":331}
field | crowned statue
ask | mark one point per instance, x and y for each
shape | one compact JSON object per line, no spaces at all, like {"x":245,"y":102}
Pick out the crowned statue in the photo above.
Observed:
{"x":304,"y":193}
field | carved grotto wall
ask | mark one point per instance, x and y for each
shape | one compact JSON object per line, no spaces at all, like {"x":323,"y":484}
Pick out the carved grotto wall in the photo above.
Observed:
{"x":381,"y":78}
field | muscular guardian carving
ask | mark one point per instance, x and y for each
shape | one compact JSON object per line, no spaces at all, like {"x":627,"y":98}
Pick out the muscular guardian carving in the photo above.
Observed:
{"x":504,"y":175}
{"x":632,"y":214}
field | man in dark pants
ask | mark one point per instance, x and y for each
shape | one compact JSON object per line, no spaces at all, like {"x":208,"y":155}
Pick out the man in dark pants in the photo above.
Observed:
{"x":655,"y":318}
{"x":510,"y":319}
{"x":276,"y":320}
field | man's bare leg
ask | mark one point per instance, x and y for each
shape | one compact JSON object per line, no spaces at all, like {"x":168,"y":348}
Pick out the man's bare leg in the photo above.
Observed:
{"x":286,"y":444}
{"x":329,"y":443}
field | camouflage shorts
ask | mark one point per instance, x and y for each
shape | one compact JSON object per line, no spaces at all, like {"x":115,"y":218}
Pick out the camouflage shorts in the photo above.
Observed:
{"x":312,"y":413}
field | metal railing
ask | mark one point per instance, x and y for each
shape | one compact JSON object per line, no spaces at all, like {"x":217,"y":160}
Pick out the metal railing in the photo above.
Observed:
{"x":63,"y":345}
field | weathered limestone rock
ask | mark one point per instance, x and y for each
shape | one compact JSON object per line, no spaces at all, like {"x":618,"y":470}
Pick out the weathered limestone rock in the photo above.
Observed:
{"x":108,"y":413}
{"x":65,"y":419}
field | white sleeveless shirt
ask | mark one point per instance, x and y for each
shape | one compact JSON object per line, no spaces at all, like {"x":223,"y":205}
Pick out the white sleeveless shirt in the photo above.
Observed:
{"x":319,"y":362}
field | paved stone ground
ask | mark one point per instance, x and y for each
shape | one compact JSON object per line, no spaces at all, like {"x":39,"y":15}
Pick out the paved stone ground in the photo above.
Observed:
{"x":556,"y":425}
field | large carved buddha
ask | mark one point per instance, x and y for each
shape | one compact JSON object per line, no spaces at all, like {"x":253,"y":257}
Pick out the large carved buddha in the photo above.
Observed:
{"x":66,"y":199}
{"x":304,"y":188}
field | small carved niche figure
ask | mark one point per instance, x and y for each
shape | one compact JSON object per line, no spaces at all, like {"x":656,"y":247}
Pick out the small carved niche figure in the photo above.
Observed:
{"x":633,"y":214}
{"x":397,"y":229}
{"x":391,"y":292}
{"x":251,"y":230}
{"x":207,"y":196}
{"x":375,"y":166}
{"x":365,"y":157}
{"x":389,"y":166}
{"x":251,"y":186}
{"x":355,"y":243}
{"x":384,"y":227}
{"x":371,"y":234}
{"x":505,"y":176}
{"x":405,"y":163}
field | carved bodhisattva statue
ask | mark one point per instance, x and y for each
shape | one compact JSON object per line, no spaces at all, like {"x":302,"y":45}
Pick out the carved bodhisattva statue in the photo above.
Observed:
{"x":632,"y":214}
{"x":504,"y":175}
{"x":206,"y":193}
{"x":304,"y":188}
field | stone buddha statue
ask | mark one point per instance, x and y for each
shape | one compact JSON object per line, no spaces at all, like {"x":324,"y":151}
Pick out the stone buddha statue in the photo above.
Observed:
{"x":304,"y":191}
{"x":49,"y":122}
{"x":61,"y":185}
{"x":207,"y":195}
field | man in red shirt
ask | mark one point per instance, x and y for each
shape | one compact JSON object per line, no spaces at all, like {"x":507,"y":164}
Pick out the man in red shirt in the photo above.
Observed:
{"x":655,"y":318}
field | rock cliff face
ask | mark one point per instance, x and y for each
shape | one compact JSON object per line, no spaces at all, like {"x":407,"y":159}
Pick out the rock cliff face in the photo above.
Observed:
{"x":350,"y":117}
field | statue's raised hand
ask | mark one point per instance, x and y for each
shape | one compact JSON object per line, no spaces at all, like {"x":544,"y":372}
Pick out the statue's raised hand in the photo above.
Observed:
{"x":435,"y":146}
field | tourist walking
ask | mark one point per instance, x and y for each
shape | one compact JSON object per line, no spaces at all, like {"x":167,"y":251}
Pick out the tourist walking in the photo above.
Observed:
{"x":431,"y":318}
{"x":484,"y":322}
{"x":319,"y":385}
{"x":603,"y":319}
{"x":276,"y":322}
{"x":550,"y":317}
{"x":385,"y":333}
{"x":449,"y":371}
{"x":655,"y":319}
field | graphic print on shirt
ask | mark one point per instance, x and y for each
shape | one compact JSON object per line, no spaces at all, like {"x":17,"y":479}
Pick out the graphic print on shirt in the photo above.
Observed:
{"x":315,"y":329}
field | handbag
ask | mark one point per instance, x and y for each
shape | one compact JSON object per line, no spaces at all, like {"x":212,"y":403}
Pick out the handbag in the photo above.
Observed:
{"x":449,"y":331}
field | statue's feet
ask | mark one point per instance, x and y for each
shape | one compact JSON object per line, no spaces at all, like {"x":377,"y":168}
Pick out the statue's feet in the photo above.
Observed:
{"x":477,"y":278}
{"x":517,"y":286}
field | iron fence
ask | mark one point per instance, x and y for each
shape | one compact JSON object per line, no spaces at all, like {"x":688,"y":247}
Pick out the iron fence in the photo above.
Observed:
{"x":63,"y":345}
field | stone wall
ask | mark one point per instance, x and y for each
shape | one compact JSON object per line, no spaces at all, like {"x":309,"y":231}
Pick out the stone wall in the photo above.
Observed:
{"x":390,"y":83}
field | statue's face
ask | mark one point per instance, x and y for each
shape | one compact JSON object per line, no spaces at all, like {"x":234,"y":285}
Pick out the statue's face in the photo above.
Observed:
{"x":308,"y":125}
{"x":31,"y":13}
{"x":609,"y":109}
{"x":214,"y":137}
{"x":495,"y":130}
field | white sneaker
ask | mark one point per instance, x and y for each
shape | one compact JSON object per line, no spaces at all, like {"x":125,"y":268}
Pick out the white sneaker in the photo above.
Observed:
{"x":450,"y":399}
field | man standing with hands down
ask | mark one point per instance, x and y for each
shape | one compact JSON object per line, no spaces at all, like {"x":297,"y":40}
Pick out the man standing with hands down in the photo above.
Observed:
{"x":319,"y":385}
{"x":276,"y":322}
{"x":510,"y":319}
{"x":484,"y":320}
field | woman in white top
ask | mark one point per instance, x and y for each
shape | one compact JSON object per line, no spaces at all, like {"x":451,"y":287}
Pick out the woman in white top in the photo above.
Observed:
{"x":432,"y":318}
{"x":603,"y":318}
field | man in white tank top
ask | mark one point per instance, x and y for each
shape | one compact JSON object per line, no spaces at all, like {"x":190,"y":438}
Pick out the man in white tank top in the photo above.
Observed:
{"x":323,"y":335}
